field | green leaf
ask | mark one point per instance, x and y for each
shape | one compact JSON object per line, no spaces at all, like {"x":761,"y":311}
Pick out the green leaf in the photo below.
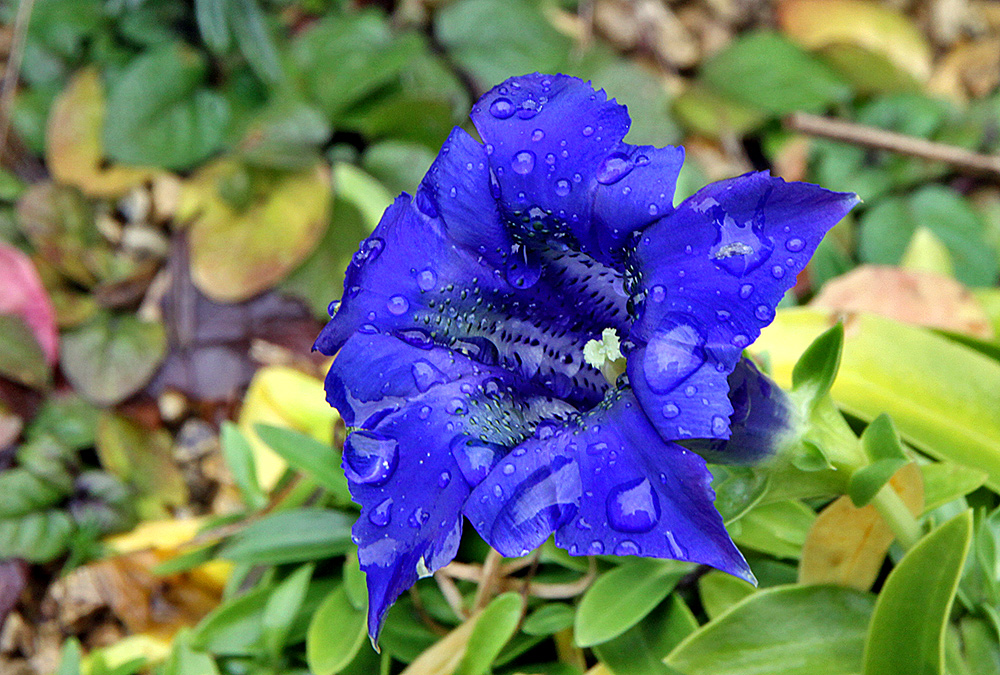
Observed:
{"x":282,"y":606}
{"x":397,"y":165}
{"x":817,"y":368}
{"x":494,"y":39}
{"x":254,"y":39}
{"x":210,"y":16}
{"x":184,"y":660}
{"x":354,"y":582}
{"x":22,"y":359}
{"x":549,"y":619}
{"x":319,"y":461}
{"x":621,"y":597}
{"x":112,"y":356}
{"x":235,"y":627}
{"x":787,"y":630}
{"x":493,"y":629}
{"x":285,"y":135}
{"x":765,"y":70}
{"x":720,"y":591}
{"x":882,"y":445}
{"x":37,"y":537}
{"x":70,"y":658}
{"x":777,"y":528}
{"x":23,"y":491}
{"x":336,"y":633}
{"x":907,"y":633}
{"x":239,"y":458}
{"x":886,"y":230}
{"x":640,"y":650}
{"x":291,"y":536}
{"x":942,"y":396}
{"x":946,"y":481}
{"x":159,"y":115}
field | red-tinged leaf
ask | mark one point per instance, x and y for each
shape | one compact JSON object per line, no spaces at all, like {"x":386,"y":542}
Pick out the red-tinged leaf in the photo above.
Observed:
{"x":22,"y":294}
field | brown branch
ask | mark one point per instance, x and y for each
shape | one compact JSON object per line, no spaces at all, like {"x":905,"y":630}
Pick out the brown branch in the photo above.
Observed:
{"x":881,"y":139}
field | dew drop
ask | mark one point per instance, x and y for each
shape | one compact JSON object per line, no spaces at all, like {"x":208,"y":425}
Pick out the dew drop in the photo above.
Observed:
{"x":740,"y":341}
{"x":597,"y":448}
{"x":502,"y":108}
{"x":426,"y":279}
{"x":613,"y":168}
{"x":671,"y":411}
{"x":658,"y":293}
{"x":456,"y":406}
{"x":475,"y":458}
{"x":444,"y":479}
{"x":653,"y":209}
{"x":722,"y":315}
{"x":524,"y":268}
{"x":596,"y":547}
{"x":424,"y":412}
{"x":746,"y":290}
{"x":588,"y":130}
{"x":672,"y":355}
{"x":550,"y":159}
{"x":562,"y":187}
{"x":368,"y":329}
{"x":397,"y":305}
{"x":719,"y":425}
{"x":497,"y":491}
{"x":415,"y":337}
{"x":508,"y":469}
{"x":537,"y":135}
{"x":426,"y":374}
{"x":777,"y":271}
{"x":763,"y":312}
{"x":633,"y":506}
{"x":419,"y":517}
{"x":370,"y":458}
{"x":795,"y":245}
{"x":740,"y":247}
{"x":523,"y":162}
{"x":627,"y":547}
{"x":381,"y":514}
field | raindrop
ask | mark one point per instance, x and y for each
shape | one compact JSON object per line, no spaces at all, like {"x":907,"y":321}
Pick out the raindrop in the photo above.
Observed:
{"x":719,"y":425}
{"x":381,"y":514}
{"x":597,"y":448}
{"x":613,"y":168}
{"x":523,"y":162}
{"x":426,"y":205}
{"x":562,"y":187}
{"x":528,"y":109}
{"x":588,"y":130}
{"x":508,"y":469}
{"x":777,"y":271}
{"x":426,"y":279}
{"x":633,"y":506}
{"x":497,"y":491}
{"x":367,"y":329}
{"x":415,"y":337}
{"x":740,"y":341}
{"x":671,"y":411}
{"x":370,"y":458}
{"x":746,"y":290}
{"x":368,"y":251}
{"x":764,"y":313}
{"x":444,"y":479}
{"x":475,"y":458}
{"x":426,"y":374}
{"x":419,"y":517}
{"x":596,"y":548}
{"x":397,"y":305}
{"x":627,"y":547}
{"x":672,"y":356}
{"x":544,"y":501}
{"x":641,"y":160}
{"x":653,"y":209}
{"x":502,"y":108}
{"x":524,"y":268}
{"x":424,"y":412}
{"x":740,"y":248}
{"x":795,"y":245}
{"x":658,"y":293}
{"x":550,"y":159}
{"x":537,"y":135}
{"x":456,"y":406}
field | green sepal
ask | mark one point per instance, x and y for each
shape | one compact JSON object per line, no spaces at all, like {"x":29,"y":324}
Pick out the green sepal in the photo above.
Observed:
{"x":817,"y":368}
{"x":881,"y":444}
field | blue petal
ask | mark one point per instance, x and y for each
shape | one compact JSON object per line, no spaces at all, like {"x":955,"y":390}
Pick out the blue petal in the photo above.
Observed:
{"x":606,"y":484}
{"x":711,"y":275}
{"x":428,"y":425}
{"x":555,"y":148}
{"x":421,"y":277}
{"x":763,"y":417}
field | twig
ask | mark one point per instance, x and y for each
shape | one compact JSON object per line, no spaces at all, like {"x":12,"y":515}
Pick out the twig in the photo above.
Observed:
{"x":873,"y":137}
{"x":489,"y":580}
{"x":13,"y":69}
{"x":451,"y":594}
{"x":476,"y":574}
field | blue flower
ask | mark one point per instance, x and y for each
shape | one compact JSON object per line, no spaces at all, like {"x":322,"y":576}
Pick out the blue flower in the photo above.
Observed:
{"x":460,"y":338}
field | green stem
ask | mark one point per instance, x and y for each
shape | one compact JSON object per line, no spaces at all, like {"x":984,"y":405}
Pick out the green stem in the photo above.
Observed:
{"x":898,"y":517}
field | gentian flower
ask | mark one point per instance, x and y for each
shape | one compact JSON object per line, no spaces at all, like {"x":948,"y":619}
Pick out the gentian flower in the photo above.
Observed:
{"x":460,"y":338}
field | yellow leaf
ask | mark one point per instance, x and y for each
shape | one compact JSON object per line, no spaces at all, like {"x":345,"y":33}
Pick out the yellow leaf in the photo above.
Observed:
{"x":73,"y":151}
{"x":847,"y":545}
{"x":284,"y":397}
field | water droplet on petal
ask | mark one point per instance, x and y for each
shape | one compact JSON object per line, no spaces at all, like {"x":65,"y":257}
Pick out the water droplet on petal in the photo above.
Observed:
{"x":562,"y":187}
{"x":544,"y":501}
{"x":597,"y":448}
{"x":613,"y":168}
{"x":456,"y":406}
{"x":633,"y":506}
{"x":746,"y":290}
{"x":795,"y":245}
{"x":508,"y":469}
{"x":370,"y":458}
{"x":740,"y":341}
{"x":524,"y":268}
{"x":627,"y":547}
{"x":671,"y":411}
{"x":763,"y":312}
{"x":502,"y":108}
{"x":740,"y":248}
{"x":537,"y":135}
{"x":424,"y":412}
{"x":550,"y":159}
{"x":426,"y":374}
{"x":672,"y":355}
{"x":369,"y":250}
{"x":497,"y":491}
{"x":658,"y":293}
{"x":588,"y":130}
{"x":444,"y":479}
{"x":719,"y":425}
{"x":381,"y":514}
{"x":475,"y":458}
{"x":777,"y":271}
{"x":523,"y":162}
{"x":596,"y":547}
{"x":426,"y":279}
{"x":397,"y":305}
{"x":419,"y":517}
{"x":641,"y":160}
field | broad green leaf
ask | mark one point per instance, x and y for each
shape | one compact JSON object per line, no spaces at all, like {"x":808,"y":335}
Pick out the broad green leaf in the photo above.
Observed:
{"x":282,"y":606}
{"x":816,"y":369}
{"x":720,"y":591}
{"x":213,"y":26}
{"x":494,"y":39}
{"x":239,"y":458}
{"x":320,"y":461}
{"x":235,"y":627}
{"x":888,"y":227}
{"x":621,"y":597}
{"x":336,"y":633}
{"x":37,"y":537}
{"x":886,"y":454}
{"x":706,"y":112}
{"x":549,"y":619}
{"x":23,"y":491}
{"x":640,"y":650}
{"x":493,"y":629}
{"x":184,"y":660}
{"x":234,"y":252}
{"x":158,"y":113}
{"x":947,"y":481}
{"x":254,"y":39}
{"x":354,"y":582}
{"x":112,"y":356}
{"x":765,"y":70}
{"x":285,"y":135}
{"x":397,"y":165}
{"x":291,"y":536}
{"x":944,"y":398}
{"x":68,"y":419}
{"x":777,"y":528}
{"x":907,"y":633}
{"x":787,"y":630}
